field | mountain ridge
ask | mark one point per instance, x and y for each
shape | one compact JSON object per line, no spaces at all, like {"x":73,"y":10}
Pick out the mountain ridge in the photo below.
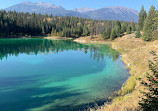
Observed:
{"x":83,"y":9}
{"x":42,"y":4}
{"x":107,"y":13}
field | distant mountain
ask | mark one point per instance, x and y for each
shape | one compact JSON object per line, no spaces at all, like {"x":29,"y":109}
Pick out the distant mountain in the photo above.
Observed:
{"x":83,"y":9}
{"x":43,"y":8}
{"x":108,"y":13}
{"x":114,"y":13}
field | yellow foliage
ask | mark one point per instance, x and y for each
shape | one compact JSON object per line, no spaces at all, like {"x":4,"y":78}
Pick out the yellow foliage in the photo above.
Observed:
{"x":49,"y":19}
{"x":78,"y":24}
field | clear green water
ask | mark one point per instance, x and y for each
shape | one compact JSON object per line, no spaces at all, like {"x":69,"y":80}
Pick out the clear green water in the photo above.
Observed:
{"x":46,"y":75}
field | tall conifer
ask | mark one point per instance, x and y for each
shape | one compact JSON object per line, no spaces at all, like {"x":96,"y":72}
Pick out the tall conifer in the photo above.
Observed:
{"x":142,"y":16}
{"x":149,"y":25}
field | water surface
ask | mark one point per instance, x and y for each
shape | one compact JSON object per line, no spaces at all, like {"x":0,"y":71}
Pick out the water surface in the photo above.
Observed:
{"x":57,"y":75}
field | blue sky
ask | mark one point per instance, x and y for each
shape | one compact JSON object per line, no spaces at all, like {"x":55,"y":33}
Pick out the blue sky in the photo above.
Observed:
{"x":71,"y":4}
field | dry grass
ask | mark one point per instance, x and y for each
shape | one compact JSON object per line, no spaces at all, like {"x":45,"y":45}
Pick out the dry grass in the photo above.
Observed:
{"x":135,"y":54}
{"x":57,"y":38}
{"x":90,"y":39}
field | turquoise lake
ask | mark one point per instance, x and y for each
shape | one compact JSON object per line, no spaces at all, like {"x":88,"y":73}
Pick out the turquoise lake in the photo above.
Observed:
{"x":57,"y":75}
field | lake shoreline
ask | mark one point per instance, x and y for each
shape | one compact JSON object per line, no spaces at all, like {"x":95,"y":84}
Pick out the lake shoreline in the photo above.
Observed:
{"x":135,"y":55}
{"x":124,"y":91}
{"x":131,"y":49}
{"x":89,"y":82}
{"x":84,"y":40}
{"x":58,"y":38}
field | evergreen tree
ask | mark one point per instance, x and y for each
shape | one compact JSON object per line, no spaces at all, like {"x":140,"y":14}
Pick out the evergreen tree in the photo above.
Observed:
{"x":43,"y":30}
{"x":85,"y":31}
{"x":149,"y":25}
{"x":137,"y":34}
{"x":155,"y":32}
{"x":150,"y":102}
{"x":113,"y":34}
{"x":133,"y":28}
{"x":123,"y":28}
{"x":129,"y":29}
{"x":117,"y":28}
{"x":106,"y":33}
{"x":142,"y":17}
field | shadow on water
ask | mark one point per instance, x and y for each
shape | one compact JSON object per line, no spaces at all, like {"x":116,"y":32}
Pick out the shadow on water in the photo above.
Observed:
{"x":20,"y":80}
{"x":27,"y":98}
{"x":22,"y":99}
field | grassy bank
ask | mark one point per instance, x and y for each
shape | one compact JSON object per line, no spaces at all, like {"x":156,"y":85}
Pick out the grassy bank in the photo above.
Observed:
{"x":58,"y":38}
{"x":135,"y":54}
